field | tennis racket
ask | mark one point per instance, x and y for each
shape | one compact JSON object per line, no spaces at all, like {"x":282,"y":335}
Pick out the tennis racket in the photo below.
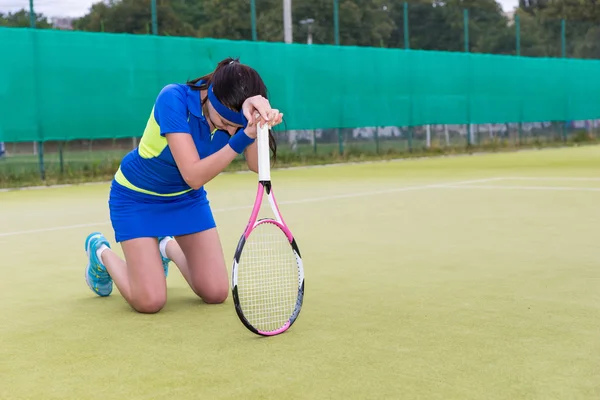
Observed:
{"x":267,"y":274}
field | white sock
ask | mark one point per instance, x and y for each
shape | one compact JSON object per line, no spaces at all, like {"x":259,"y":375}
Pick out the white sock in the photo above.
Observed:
{"x":163,"y":246}
{"x":100,"y":251}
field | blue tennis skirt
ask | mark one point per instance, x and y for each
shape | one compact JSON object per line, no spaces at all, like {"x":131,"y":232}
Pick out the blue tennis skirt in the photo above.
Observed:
{"x":135,"y":215}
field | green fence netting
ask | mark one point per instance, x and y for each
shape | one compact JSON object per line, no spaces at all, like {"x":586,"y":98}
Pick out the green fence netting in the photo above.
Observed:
{"x":57,"y":85}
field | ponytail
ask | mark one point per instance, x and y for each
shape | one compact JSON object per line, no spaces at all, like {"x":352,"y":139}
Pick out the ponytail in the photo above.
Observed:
{"x":207,"y":79}
{"x":254,"y":87}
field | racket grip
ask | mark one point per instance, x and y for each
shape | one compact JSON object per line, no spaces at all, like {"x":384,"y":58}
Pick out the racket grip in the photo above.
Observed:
{"x":240,"y":141}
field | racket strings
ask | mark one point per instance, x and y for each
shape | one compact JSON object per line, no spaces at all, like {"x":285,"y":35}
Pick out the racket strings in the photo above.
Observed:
{"x":267,"y":278}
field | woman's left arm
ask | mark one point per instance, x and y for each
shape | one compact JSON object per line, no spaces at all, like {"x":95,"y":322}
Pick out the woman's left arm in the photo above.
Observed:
{"x":220,"y":139}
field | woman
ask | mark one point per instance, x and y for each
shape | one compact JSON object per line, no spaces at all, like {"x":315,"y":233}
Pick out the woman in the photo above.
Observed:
{"x":158,"y":206}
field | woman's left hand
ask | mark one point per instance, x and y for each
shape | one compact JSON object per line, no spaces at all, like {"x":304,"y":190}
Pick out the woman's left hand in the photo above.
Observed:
{"x":258,"y":109}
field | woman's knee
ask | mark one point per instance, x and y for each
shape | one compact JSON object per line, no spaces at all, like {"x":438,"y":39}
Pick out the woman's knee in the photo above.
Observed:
{"x":208,"y":273}
{"x":215,"y":298}
{"x":149,"y":304}
{"x":212,"y":294}
{"x":147,"y":286}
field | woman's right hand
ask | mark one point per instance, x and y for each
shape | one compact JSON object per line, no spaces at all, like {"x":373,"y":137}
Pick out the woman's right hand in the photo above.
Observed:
{"x":257,"y":110}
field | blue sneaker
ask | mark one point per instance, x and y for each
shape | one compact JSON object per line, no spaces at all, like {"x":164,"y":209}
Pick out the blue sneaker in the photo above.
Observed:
{"x":165,"y":260}
{"x":96,"y":275}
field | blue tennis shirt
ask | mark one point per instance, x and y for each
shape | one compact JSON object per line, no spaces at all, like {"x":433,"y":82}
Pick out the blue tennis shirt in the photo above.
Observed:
{"x":151,"y":168}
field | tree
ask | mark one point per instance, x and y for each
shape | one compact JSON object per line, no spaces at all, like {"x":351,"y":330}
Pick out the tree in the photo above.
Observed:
{"x":133,"y":16}
{"x":588,"y":46}
{"x":439,"y":25}
{"x":365,"y":23}
{"x":190,"y":12}
{"x":20,"y":19}
{"x":362,"y":22}
{"x":541,"y":21}
{"x":532,"y":6}
{"x":489,"y":30}
{"x":226,"y":19}
{"x":434,"y":24}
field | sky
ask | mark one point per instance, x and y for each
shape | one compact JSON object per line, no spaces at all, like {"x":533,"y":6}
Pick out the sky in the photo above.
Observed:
{"x":77,"y":8}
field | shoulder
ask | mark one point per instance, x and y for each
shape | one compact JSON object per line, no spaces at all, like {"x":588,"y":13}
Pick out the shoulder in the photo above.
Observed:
{"x":171,"y":99}
{"x":172,"y":92}
{"x":171,"y":109}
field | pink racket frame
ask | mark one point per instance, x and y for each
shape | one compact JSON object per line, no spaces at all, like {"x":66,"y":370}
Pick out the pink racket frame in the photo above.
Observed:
{"x":264,"y":185}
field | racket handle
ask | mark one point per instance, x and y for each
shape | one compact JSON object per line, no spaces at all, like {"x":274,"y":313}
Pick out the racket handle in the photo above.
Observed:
{"x":264,"y":166}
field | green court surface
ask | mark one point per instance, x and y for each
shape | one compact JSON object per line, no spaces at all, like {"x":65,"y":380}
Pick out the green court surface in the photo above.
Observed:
{"x":474,"y":277}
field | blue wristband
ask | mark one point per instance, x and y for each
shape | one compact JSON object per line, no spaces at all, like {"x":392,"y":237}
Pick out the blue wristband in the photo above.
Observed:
{"x":240,"y":141}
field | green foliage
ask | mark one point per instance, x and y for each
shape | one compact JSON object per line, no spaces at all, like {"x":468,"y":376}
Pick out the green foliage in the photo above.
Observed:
{"x":20,"y":19}
{"x":134,"y":16}
{"x":433,"y":24}
{"x":228,"y":19}
{"x":541,"y":22}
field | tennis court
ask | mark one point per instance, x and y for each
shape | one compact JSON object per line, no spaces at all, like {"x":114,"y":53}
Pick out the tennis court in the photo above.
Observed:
{"x":451,"y":278}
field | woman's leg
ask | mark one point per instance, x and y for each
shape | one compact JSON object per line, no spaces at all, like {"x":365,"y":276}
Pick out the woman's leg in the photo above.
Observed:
{"x":200,"y":259}
{"x":140,"y":278}
{"x":171,"y":251}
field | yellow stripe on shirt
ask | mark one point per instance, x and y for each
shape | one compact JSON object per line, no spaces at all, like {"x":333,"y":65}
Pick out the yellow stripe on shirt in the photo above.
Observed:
{"x":152,"y":143}
{"x":120,"y":178}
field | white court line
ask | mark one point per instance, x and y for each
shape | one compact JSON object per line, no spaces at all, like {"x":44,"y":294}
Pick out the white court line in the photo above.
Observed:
{"x":59,"y":186}
{"x":551,"y":178}
{"x":299,"y":167}
{"x":300,"y":201}
{"x":551,"y":188}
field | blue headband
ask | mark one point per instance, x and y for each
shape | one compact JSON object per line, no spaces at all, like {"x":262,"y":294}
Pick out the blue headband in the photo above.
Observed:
{"x":227,"y":113}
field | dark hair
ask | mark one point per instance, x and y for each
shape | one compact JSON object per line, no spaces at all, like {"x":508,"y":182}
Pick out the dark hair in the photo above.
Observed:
{"x":232,"y":84}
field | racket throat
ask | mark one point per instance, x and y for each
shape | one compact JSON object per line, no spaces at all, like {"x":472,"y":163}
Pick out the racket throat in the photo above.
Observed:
{"x":266,"y":185}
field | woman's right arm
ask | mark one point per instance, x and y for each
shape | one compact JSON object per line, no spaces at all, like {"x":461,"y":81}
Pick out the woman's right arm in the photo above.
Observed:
{"x":171,"y":114}
{"x":195,"y":171}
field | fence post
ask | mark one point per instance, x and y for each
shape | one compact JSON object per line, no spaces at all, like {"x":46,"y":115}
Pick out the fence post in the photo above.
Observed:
{"x":466,"y":26}
{"x":253,"y":19}
{"x":31,"y":14}
{"x":518,"y":45}
{"x":563,"y":45}
{"x":518,"y":34}
{"x":340,"y":141}
{"x":563,"y":37}
{"x":336,"y":39}
{"x":407,"y":47}
{"x":336,"y":22}
{"x":466,"y":39}
{"x":406,"y":28}
{"x":61,"y":158}
{"x":154,"y":18}
{"x":288,"y":34}
{"x":40,"y":143}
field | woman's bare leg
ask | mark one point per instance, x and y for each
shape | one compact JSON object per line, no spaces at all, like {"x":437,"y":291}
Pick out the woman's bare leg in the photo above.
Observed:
{"x":140,"y":277}
{"x":200,"y":259}
{"x":173,"y":252}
